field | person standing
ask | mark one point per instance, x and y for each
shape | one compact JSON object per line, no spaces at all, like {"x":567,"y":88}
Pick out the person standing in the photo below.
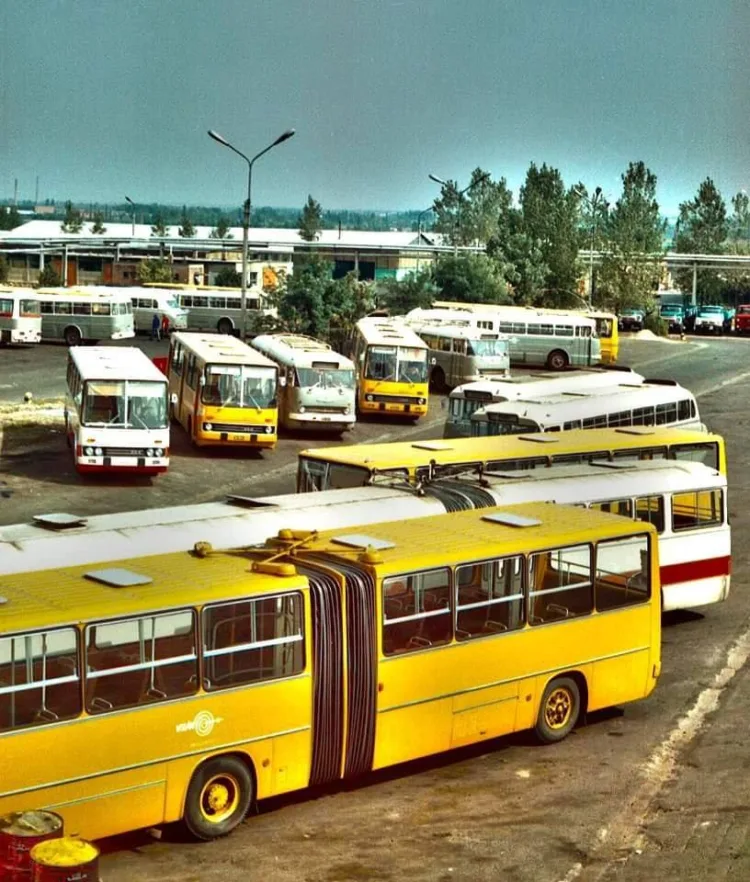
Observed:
{"x":155,"y":327}
{"x":164,"y":326}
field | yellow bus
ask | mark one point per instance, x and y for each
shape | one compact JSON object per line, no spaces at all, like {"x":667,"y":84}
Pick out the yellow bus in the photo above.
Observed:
{"x":392,"y":368}
{"x":222,"y":391}
{"x":329,"y":468}
{"x":187,"y":686}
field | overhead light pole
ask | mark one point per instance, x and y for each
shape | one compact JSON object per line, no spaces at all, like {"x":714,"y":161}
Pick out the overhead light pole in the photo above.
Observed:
{"x":459,"y":194}
{"x":132,"y":215}
{"x":246,"y":213}
{"x":595,"y":202}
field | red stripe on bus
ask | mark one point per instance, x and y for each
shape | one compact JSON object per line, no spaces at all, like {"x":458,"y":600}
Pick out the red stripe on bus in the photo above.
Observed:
{"x":692,"y":570}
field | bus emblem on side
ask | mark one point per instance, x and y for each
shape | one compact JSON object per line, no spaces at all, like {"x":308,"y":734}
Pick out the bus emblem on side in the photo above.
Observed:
{"x":202,"y":724}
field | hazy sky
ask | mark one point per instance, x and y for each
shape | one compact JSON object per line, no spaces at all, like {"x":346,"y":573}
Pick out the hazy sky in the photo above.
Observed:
{"x":101,"y":98}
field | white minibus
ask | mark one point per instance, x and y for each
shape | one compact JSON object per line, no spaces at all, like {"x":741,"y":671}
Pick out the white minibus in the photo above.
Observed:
{"x":116,"y":415}
{"x":20,"y":318}
{"x":318,"y":387}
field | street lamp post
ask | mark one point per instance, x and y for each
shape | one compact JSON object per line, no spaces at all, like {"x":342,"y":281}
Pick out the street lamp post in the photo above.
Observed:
{"x":594,"y":202}
{"x":132,"y":216}
{"x":246,"y":212}
{"x":460,"y":193}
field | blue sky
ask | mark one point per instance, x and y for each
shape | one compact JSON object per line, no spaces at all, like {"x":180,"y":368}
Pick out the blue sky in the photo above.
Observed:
{"x":102,"y":99}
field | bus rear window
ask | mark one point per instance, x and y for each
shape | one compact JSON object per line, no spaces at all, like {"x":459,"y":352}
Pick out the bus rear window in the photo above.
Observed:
{"x":707,"y":453}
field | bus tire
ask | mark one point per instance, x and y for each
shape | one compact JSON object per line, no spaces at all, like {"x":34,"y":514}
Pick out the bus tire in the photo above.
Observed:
{"x":225,"y":326}
{"x":72,"y":335}
{"x":557,"y":360}
{"x":437,"y":379}
{"x":558,"y":710}
{"x":218,"y":797}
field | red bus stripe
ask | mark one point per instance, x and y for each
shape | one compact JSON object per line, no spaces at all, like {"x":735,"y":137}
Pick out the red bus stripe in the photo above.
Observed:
{"x":692,"y":570}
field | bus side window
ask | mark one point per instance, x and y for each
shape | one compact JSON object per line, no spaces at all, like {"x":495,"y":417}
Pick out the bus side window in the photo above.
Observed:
{"x":177,"y":358}
{"x":707,"y":453}
{"x":560,"y":584}
{"x":622,"y":572}
{"x":191,"y":375}
{"x":623,"y":507}
{"x":697,"y":510}
{"x":490,"y":597}
{"x":651,"y":510}
{"x":417,"y":611}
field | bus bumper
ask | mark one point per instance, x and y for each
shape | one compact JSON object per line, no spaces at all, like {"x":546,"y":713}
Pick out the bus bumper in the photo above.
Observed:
{"x":122,"y":335}
{"x":394,"y":408}
{"x":335,"y":422}
{"x":140,"y":465}
{"x":18,"y":335}
{"x":237,"y":439}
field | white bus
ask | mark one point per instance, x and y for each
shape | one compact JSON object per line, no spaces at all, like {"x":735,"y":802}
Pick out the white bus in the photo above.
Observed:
{"x":465,"y":400}
{"x":20,"y":318}
{"x":686,"y":502}
{"x":116,"y":415}
{"x":460,"y":354}
{"x":76,"y":315}
{"x":213,"y":308}
{"x":318,"y":387}
{"x":656,"y":403}
{"x":150,"y":301}
{"x":553,"y":340}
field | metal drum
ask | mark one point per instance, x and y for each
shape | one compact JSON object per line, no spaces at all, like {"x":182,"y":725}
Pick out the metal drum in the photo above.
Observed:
{"x":68,"y":859}
{"x":19,"y":833}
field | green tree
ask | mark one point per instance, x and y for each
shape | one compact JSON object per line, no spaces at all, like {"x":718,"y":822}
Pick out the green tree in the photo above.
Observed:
{"x":311,"y":221}
{"x":221,"y":230}
{"x":634,"y":245}
{"x":49,"y":277}
{"x":471,"y":278}
{"x":702,"y":228}
{"x":154,"y":270}
{"x":470,"y":216}
{"x":159,"y":227}
{"x":9,"y":218}
{"x":550,"y":217}
{"x":73,"y":221}
{"x":229,"y":278}
{"x":740,"y":220}
{"x":98,"y":227}
{"x":414,"y":291}
{"x":518,"y":258}
{"x":186,"y":230}
{"x":3,"y":268}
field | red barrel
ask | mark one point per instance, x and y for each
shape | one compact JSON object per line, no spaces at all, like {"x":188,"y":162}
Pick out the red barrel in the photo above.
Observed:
{"x":68,"y":859}
{"x":19,"y":833}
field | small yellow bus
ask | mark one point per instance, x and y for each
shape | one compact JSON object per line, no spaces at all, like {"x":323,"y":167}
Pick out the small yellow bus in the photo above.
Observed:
{"x":329,"y":468}
{"x":187,"y":686}
{"x":222,"y":391}
{"x":392,"y":369}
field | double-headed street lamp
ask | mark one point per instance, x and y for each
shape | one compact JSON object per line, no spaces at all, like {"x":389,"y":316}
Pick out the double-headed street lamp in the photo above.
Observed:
{"x":246,"y":213}
{"x":595,"y":202}
{"x":459,"y":194}
{"x":132,"y":216}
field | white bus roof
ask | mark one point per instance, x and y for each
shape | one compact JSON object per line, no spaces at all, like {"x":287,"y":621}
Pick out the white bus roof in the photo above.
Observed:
{"x":519,"y":384}
{"x":34,"y":546}
{"x":114,"y":363}
{"x":300,"y":351}
{"x":105,"y":294}
{"x":388,"y":332}
{"x":460,"y":332}
{"x":567,"y":406}
{"x":471,"y":313}
{"x":221,"y":349}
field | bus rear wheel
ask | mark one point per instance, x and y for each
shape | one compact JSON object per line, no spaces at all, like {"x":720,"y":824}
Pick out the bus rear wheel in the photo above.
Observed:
{"x":218,"y":798}
{"x":557,"y":360}
{"x":72,"y":336}
{"x":558,"y":710}
{"x":224,"y":326}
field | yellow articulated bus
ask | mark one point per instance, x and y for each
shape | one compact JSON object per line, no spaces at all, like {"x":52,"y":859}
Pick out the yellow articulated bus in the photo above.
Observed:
{"x":187,"y":686}
{"x":222,"y":391}
{"x":330,"y":468}
{"x":392,"y":368}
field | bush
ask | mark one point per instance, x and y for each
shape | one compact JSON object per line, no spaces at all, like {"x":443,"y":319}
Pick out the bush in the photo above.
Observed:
{"x":656,"y":324}
{"x":49,"y":277}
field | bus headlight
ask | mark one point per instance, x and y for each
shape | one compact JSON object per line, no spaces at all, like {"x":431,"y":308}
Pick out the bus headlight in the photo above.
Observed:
{"x":347,"y":409}
{"x":369,"y":398}
{"x":302,"y":408}
{"x":158,"y":452}
{"x":207,"y":427}
{"x":98,"y":451}
{"x":89,"y":451}
{"x":150,"y":452}
{"x":421,"y":401}
{"x":269,"y":430}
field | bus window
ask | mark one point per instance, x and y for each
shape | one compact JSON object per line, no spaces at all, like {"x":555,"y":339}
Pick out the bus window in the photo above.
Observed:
{"x":666,"y":413}
{"x":650,"y":510}
{"x":693,"y":511}
{"x":622,"y":573}
{"x":417,"y":611}
{"x":490,"y":598}
{"x":633,"y":454}
{"x":560,"y":585}
{"x":623,"y":507}
{"x":707,"y":453}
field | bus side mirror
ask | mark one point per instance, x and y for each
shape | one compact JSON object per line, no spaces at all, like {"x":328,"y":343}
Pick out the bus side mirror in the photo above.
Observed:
{"x":433,"y":361}
{"x":173,"y":398}
{"x":202,"y":380}
{"x":282,"y":380}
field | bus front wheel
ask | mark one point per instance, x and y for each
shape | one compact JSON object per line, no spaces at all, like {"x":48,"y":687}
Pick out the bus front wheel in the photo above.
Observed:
{"x":557,"y":360}
{"x":218,"y":798}
{"x":558,"y":710}
{"x":225,"y":326}
{"x":72,"y":336}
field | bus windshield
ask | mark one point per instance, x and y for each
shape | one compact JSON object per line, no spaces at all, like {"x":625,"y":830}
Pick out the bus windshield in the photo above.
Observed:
{"x":603,"y":327}
{"x":486,"y":348}
{"x":403,"y":364}
{"x":132,"y":404}
{"x":325,"y":378}
{"x":512,"y":426}
{"x":239,"y":386}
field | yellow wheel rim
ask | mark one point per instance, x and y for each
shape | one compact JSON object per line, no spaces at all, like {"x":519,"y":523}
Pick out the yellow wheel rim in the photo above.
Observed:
{"x":220,"y":797}
{"x":559,"y":708}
